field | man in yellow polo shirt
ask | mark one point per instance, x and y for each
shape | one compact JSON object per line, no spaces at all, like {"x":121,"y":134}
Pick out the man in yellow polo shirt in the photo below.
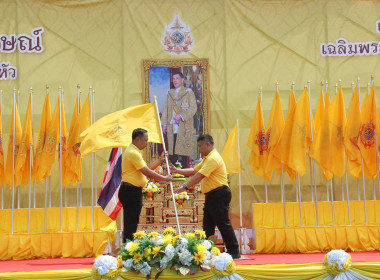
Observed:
{"x":212,"y":172}
{"x":133,"y":179}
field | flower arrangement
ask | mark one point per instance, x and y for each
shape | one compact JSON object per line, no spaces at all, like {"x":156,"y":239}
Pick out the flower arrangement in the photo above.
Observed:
{"x":181,"y":197}
{"x":185,"y":253}
{"x":150,"y":190}
{"x":177,"y":176}
{"x":223,"y":266}
{"x":106,"y":267}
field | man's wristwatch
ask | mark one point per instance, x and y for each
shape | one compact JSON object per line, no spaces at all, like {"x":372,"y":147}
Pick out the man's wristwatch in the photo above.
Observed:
{"x":185,"y":187}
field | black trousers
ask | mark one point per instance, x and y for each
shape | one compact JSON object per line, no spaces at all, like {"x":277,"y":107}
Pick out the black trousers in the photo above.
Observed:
{"x":217,"y":204}
{"x":130,"y":197}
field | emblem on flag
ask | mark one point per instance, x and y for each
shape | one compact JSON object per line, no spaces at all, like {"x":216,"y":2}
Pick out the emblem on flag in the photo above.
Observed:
{"x":261,"y":141}
{"x":367,"y":132}
{"x":177,"y":38}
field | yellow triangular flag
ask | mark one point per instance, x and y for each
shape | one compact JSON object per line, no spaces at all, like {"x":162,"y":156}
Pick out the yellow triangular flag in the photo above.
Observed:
{"x":231,"y":154}
{"x":115,"y":130}
{"x":320,"y":111}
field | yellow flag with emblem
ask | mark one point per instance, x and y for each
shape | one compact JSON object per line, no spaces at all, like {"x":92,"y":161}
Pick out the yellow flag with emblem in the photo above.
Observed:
{"x":74,"y":160}
{"x":351,"y":136}
{"x":22,"y":167}
{"x":274,"y":132}
{"x":115,"y":130}
{"x":338,"y":123}
{"x":257,"y":142}
{"x":18,"y":138}
{"x":231,"y":154}
{"x":366,"y":143}
{"x":320,"y":111}
{"x":42,"y":131}
{"x":301,"y":135}
{"x":2,"y":167}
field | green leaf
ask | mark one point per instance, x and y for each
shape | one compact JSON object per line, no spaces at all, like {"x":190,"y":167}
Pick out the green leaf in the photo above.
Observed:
{"x":213,"y":238}
{"x":194,"y":269}
{"x":184,"y":270}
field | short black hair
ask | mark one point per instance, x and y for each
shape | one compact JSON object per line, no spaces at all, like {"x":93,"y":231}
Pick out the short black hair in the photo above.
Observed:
{"x":138,"y":132}
{"x":207,"y":138}
{"x":179,"y":73}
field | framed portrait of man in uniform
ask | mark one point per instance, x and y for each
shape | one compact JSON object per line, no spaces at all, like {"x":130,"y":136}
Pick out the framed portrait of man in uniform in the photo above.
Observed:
{"x":182,"y":91}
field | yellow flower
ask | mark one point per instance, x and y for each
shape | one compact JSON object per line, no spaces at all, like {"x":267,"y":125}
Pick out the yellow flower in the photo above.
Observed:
{"x":147,"y":253}
{"x":201,"y":233}
{"x":175,"y":239}
{"x":139,"y":234}
{"x":199,"y":258}
{"x":119,"y":262}
{"x":201,"y":248}
{"x":137,"y":258}
{"x":167,"y":239}
{"x":153,"y":234}
{"x":156,"y":251}
{"x":133,"y":247}
{"x":169,"y":230}
{"x":215,"y":251}
{"x":190,"y":235}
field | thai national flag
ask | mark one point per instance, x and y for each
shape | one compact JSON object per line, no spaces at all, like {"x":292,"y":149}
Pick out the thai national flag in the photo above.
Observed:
{"x":108,"y":197}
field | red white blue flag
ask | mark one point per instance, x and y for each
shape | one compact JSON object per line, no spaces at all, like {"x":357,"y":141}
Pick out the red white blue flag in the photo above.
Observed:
{"x":108,"y":197}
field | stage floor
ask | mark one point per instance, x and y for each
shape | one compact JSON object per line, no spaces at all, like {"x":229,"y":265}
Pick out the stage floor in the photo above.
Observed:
{"x":259,"y":259}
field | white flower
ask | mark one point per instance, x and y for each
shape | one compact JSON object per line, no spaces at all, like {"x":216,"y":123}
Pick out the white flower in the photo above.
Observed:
{"x":208,"y":258}
{"x":104,"y":263}
{"x":128,"y":263}
{"x":337,"y":256}
{"x":185,"y":257}
{"x":207,"y":244}
{"x":138,"y":266}
{"x":146,"y":269}
{"x":169,"y":251}
{"x":164,"y":262}
{"x":127,"y":245}
{"x":158,"y":242}
{"x":221,"y":262}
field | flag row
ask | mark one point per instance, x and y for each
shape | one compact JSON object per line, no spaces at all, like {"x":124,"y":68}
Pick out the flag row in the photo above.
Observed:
{"x":330,"y":137}
{"x":28,"y":161}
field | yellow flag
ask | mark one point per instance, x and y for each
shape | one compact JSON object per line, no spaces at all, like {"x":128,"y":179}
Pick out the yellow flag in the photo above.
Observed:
{"x":18,"y":137}
{"x":351,"y":135}
{"x":320,"y":111}
{"x":301,"y":135}
{"x":281,"y":150}
{"x":115,"y":130}
{"x":42,"y":131}
{"x":22,"y":167}
{"x":378,"y":131}
{"x":274,"y":132}
{"x":2,"y":167}
{"x":338,"y":124}
{"x":50,"y":147}
{"x":74,"y":159}
{"x":64,"y":136}
{"x":231,"y":154}
{"x":257,"y":142}
{"x":321,"y":149}
{"x":366,"y":141}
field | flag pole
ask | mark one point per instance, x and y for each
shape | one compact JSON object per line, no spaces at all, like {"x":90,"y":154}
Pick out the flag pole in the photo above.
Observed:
{"x":313,"y":169}
{"x":327,"y":184}
{"x":167,"y":166}
{"x":92,"y":168}
{"x":18,"y":188}
{"x":60,"y":156}
{"x":297,"y":195}
{"x":1,"y":136}
{"x":265,"y":182}
{"x":357,"y":180}
{"x":363,"y":174}
{"x":30,"y":162}
{"x":46,"y":184}
{"x":93,"y":117}
{"x":341,"y":179}
{"x":240,"y":202}
{"x":78,"y":111}
{"x":13,"y":161}
{"x":282,"y":177}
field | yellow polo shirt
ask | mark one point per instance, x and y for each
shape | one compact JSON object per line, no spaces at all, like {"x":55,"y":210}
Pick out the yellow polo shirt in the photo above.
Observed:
{"x":131,"y":165}
{"x":213,"y":168}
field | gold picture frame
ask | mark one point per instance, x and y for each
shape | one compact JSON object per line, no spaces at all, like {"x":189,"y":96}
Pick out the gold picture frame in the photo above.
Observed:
{"x":157,"y":81}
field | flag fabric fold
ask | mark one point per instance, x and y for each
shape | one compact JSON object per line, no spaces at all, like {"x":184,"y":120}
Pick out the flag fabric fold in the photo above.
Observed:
{"x":351,"y":136}
{"x":231,"y":154}
{"x":115,"y":130}
{"x":108,"y":198}
{"x":22,"y":167}
{"x":42,"y":132}
{"x":2,"y":166}
{"x":18,"y":138}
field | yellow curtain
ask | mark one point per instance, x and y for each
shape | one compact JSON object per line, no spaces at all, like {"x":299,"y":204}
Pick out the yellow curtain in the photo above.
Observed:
{"x":311,"y":271}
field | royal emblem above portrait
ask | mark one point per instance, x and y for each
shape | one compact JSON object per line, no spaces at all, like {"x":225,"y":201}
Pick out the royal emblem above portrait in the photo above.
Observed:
{"x":177,"y":37}
{"x":182,"y":91}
